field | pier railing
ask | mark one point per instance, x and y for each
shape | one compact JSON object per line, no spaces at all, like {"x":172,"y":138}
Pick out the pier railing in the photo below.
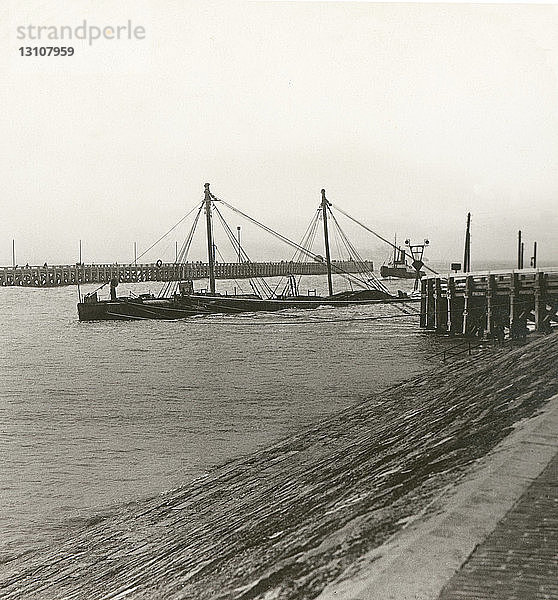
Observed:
{"x":59,"y":275}
{"x":485,"y":303}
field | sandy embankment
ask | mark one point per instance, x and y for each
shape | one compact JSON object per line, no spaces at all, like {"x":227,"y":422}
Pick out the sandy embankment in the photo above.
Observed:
{"x":287,"y":521}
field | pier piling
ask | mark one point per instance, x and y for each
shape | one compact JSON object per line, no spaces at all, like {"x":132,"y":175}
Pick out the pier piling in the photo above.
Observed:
{"x":481,"y":304}
{"x":60,"y":275}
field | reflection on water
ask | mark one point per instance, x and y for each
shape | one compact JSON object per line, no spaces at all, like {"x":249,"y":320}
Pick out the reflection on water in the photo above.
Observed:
{"x":93,"y":414}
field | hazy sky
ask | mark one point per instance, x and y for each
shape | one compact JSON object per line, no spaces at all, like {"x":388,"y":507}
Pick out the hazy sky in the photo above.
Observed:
{"x":409,"y":115}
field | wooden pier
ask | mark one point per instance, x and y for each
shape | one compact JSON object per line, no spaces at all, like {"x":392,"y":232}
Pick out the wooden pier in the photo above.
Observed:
{"x":60,"y":275}
{"x":485,"y":303}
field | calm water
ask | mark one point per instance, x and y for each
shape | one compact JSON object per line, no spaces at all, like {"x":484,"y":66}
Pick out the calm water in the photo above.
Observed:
{"x":94,"y":414}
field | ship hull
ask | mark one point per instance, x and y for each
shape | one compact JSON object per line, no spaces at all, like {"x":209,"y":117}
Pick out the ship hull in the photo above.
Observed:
{"x":132,"y":309}
{"x":182,"y":307}
{"x":398,"y":272}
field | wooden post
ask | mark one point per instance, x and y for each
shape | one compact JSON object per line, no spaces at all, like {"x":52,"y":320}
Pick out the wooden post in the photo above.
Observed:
{"x":468,"y":307}
{"x":451,"y":299}
{"x":423,"y":300}
{"x":534,"y":257}
{"x":514,"y":297}
{"x":540,"y":302}
{"x":467,"y":251}
{"x":490,"y":296}
{"x":441,"y":307}
{"x":430,"y":306}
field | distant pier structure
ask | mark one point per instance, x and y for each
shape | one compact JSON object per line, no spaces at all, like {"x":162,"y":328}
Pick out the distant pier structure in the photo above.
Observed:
{"x":60,"y":275}
{"x":484,"y":303}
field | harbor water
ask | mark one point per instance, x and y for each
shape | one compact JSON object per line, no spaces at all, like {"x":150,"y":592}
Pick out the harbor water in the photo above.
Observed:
{"x":93,"y":415}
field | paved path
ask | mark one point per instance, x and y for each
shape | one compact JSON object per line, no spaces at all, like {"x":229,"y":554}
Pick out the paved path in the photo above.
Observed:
{"x":519,"y":559}
{"x":513,"y":489}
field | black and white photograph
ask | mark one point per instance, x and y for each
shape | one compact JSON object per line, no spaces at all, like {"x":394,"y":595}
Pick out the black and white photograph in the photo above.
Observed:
{"x":278,"y":300}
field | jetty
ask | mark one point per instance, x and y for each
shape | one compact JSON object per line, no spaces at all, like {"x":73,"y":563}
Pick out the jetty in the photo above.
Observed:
{"x":443,"y":486}
{"x":482,"y":303}
{"x":61,"y":275}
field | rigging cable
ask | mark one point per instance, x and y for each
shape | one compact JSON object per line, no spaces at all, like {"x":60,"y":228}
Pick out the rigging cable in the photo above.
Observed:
{"x":171,"y":286}
{"x":373,"y":280}
{"x":316,"y":257}
{"x":268,"y":229}
{"x":310,"y":240}
{"x":349,"y":245}
{"x":374,"y":233}
{"x":256,"y":280}
{"x":353,"y":255}
{"x":306,"y":242}
{"x":169,"y":231}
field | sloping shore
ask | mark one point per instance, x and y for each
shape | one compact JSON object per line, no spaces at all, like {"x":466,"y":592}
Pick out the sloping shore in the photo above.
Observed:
{"x":492,"y":534}
{"x":286,"y":521}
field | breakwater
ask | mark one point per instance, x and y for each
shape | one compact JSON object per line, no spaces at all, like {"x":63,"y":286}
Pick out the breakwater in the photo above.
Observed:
{"x":287,"y":520}
{"x":59,"y":275}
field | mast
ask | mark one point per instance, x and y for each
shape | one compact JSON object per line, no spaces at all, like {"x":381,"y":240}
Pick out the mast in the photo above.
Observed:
{"x":210,"y":247}
{"x":467,"y":253}
{"x":239,"y":246}
{"x":324,"y":206}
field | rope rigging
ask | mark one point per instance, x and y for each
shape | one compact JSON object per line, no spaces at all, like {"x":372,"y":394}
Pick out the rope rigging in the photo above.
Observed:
{"x":375,"y":284}
{"x":269,"y":230}
{"x":254,"y":281}
{"x":372,"y":279}
{"x":307,"y":242}
{"x":168,"y":232}
{"x":364,"y":278}
{"x":170,"y":287}
{"x":374,"y":233}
